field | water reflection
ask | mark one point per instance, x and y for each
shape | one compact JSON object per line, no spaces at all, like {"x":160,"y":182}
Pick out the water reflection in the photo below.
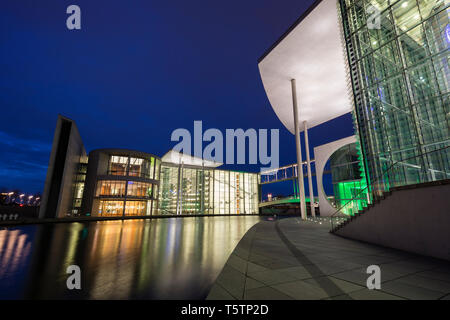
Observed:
{"x":132,"y":259}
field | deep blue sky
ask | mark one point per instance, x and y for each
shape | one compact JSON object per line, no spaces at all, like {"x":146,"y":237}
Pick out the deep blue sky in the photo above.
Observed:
{"x":135,"y":72}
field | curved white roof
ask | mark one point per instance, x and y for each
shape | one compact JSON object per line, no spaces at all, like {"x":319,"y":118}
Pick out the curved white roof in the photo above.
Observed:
{"x":176,"y":157}
{"x":312,"y":53}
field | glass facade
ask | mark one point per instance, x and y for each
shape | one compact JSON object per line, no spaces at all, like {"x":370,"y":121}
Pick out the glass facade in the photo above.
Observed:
{"x":134,"y":167}
{"x":131,"y":185}
{"x":78,"y":187}
{"x":129,"y":196}
{"x":196,"y":190}
{"x":111,"y":208}
{"x":139,"y":189}
{"x":110,"y":188}
{"x":118,"y":166}
{"x":349,"y":183}
{"x":400,"y":79}
{"x":137,"y":208}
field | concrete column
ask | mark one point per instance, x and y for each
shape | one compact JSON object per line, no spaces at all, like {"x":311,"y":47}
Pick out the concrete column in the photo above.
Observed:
{"x":299,"y":151}
{"x":308,"y":165}
{"x":180,"y":189}
{"x":202,"y":196}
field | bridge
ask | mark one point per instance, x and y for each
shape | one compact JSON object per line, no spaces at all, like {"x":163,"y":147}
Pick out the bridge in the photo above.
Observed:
{"x":281,"y":201}
{"x":285,"y":173}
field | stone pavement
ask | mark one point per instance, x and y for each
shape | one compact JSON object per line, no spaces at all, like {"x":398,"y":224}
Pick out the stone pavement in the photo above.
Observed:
{"x":291,"y":259}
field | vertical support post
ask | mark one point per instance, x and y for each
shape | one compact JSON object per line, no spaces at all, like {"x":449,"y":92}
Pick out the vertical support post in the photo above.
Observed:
{"x":127,"y":172}
{"x":178,"y":188}
{"x":202,"y":195}
{"x":308,"y":165}
{"x":294,"y":172}
{"x":299,"y":151}
{"x":181,"y":188}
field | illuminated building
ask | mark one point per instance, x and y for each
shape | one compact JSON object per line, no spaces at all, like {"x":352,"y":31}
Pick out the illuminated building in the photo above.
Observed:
{"x":193,"y":190}
{"x":401,"y":89}
{"x":394,"y":79}
{"x":121,"y":183}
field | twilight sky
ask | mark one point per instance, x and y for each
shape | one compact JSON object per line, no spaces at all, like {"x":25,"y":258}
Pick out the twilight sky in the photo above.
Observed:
{"x":136,"y":71}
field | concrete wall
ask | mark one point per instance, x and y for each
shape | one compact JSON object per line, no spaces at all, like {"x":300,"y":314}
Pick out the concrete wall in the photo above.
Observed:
{"x":75,"y":154}
{"x":67,"y":151}
{"x":415,"y":220}
{"x":321,"y":156}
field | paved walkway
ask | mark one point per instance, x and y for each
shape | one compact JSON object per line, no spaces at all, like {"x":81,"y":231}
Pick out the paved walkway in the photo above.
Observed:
{"x":290,"y":259}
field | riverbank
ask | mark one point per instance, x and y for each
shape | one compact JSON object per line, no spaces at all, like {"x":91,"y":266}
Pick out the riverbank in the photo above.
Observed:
{"x":20,"y":222}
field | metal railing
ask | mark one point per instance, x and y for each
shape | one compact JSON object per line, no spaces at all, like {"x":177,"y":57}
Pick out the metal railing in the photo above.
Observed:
{"x":339,"y":218}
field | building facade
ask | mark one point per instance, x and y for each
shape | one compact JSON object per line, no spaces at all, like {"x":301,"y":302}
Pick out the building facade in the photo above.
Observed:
{"x":400,"y":78}
{"x":123,"y":183}
{"x":66,"y":172}
{"x":383,"y":61}
{"x":187,"y":189}
{"x":348,"y":179}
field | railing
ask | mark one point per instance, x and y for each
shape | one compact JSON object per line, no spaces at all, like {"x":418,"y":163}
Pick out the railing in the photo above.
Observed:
{"x":377,"y":188}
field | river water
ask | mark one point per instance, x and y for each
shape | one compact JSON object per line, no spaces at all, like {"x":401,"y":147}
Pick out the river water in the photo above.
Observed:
{"x":173,"y":258}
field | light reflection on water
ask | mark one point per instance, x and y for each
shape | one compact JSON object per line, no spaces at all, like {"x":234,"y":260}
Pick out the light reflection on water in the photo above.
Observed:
{"x":133,"y":259}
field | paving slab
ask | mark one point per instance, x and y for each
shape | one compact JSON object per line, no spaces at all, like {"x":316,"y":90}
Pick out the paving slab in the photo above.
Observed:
{"x":294,"y":259}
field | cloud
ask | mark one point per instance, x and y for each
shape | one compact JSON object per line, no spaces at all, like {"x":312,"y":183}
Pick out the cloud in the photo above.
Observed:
{"x":23,"y":144}
{"x":23,"y":162}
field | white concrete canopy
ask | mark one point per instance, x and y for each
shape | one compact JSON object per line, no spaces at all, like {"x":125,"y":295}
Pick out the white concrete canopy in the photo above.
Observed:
{"x":312,"y":53}
{"x":176,"y":157}
{"x":322,"y":154}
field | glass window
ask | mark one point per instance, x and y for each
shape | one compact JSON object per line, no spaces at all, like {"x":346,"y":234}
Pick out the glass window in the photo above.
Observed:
{"x":157,"y":169}
{"x":414,"y":45}
{"x":379,"y":4}
{"x":148,"y":212}
{"x":437,"y":29}
{"x":406,"y":14}
{"x":110,"y":208}
{"x":118,"y":166}
{"x":441,"y":67}
{"x":357,"y":16}
{"x":110,"y":188}
{"x":143,"y":168}
{"x":429,"y":7}
{"x":139,"y":189}
{"x":155,"y":192}
{"x":136,"y":208}
{"x":136,"y":167}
